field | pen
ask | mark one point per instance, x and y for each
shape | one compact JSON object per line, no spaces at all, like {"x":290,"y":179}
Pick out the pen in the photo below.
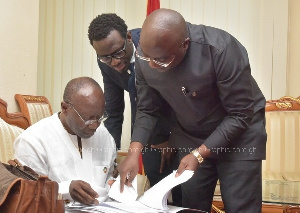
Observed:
{"x":183,"y":90}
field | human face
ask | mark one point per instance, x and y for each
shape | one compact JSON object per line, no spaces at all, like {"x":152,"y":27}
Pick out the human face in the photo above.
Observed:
{"x":115,"y":51}
{"x":90,"y":122}
{"x":84,"y":117}
{"x":117,"y":55}
{"x":164,"y":57}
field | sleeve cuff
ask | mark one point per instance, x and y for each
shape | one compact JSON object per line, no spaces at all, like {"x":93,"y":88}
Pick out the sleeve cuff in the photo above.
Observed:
{"x":64,"y":189}
{"x":215,"y":141}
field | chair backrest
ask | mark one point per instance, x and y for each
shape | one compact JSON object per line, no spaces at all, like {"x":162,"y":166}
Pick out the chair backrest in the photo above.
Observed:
{"x":283,"y":144}
{"x":11,"y":125}
{"x":34,"y":108}
{"x":16,"y":118}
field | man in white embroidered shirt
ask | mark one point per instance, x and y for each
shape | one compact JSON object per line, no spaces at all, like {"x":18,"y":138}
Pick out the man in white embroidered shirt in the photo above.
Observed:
{"x":70,"y":146}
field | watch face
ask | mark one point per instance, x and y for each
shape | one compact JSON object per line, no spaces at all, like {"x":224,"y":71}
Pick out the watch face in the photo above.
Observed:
{"x":197,"y":155}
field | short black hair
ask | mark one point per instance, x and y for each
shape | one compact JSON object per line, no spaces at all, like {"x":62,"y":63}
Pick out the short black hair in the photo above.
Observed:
{"x":103,"y":24}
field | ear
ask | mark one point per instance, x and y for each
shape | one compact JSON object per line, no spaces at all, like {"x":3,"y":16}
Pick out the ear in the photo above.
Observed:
{"x":129,"y":36}
{"x":186,"y":43}
{"x":64,"y":107}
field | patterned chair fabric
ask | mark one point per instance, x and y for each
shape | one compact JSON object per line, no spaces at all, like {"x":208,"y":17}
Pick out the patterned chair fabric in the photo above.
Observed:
{"x":34,"y":108}
{"x":11,"y":125}
{"x":38,"y":111}
{"x":8,"y":134}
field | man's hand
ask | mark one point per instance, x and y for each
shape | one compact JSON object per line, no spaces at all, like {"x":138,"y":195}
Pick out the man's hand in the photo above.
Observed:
{"x":190,"y":162}
{"x":82,"y":192}
{"x":129,"y":167}
{"x":167,"y":154}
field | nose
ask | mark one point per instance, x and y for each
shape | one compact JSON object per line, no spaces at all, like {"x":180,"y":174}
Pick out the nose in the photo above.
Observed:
{"x":94,"y":125}
{"x":115,"y":61}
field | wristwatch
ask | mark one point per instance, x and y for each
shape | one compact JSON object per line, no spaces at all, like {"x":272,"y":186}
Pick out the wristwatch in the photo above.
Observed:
{"x":197,"y":154}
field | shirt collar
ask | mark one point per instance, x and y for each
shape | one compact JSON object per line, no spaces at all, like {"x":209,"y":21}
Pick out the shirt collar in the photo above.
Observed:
{"x":133,"y":54}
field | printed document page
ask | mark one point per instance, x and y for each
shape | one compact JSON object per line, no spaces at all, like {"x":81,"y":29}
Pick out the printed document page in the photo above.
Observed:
{"x":156,"y":197}
{"x":129,"y":193}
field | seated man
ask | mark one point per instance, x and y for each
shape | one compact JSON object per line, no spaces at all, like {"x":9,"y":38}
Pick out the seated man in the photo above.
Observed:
{"x":71,"y":147}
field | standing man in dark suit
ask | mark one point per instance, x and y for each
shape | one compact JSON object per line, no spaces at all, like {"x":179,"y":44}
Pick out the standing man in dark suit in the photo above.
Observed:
{"x":115,"y":47}
{"x":205,"y":76}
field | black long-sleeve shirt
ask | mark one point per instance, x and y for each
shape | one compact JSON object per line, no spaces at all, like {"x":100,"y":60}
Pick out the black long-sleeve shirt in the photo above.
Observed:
{"x":213,"y":94}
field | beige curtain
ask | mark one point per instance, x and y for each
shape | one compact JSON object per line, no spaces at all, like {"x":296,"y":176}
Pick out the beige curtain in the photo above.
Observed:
{"x":64,"y":51}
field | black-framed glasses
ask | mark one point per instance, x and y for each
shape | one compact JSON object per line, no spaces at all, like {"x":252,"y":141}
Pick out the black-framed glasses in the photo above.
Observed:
{"x":119,"y":54}
{"x":161,"y":62}
{"x":90,"y":122}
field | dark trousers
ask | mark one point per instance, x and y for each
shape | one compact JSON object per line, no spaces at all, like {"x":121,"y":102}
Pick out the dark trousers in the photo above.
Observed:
{"x":240,"y":182}
{"x":151,"y":161}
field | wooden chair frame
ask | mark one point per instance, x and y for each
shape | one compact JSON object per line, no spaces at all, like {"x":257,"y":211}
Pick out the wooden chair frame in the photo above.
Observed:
{"x":16,"y":118}
{"x":283,"y":104}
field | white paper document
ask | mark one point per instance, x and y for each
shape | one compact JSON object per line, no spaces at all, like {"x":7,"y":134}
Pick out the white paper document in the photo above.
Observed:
{"x":116,"y":207}
{"x":129,"y":194}
{"x":154,"y":199}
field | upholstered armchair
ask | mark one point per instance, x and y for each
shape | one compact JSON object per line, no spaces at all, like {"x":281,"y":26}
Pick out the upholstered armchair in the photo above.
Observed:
{"x":281,"y":169}
{"x":34,"y":107}
{"x":11,"y":125}
{"x":283,"y":144}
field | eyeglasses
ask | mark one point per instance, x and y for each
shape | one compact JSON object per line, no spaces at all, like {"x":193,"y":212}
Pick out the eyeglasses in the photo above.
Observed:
{"x":120,"y":54}
{"x":161,"y":62}
{"x":155,"y":61}
{"x":90,"y":122}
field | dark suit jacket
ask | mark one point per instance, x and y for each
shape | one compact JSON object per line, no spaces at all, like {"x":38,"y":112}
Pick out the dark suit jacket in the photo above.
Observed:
{"x":216,"y":100}
{"x":114,"y":85}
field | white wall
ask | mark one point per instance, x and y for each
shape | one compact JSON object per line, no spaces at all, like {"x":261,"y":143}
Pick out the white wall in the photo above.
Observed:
{"x":18,"y":49}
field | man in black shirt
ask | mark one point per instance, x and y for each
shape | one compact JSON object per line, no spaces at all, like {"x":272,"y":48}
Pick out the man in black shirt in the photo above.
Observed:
{"x":219,"y":129}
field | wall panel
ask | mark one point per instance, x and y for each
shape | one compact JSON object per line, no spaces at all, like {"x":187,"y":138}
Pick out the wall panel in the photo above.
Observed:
{"x":18,"y":49}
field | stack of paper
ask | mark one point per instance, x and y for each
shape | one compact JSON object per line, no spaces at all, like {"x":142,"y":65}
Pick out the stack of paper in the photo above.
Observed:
{"x":155,"y":197}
